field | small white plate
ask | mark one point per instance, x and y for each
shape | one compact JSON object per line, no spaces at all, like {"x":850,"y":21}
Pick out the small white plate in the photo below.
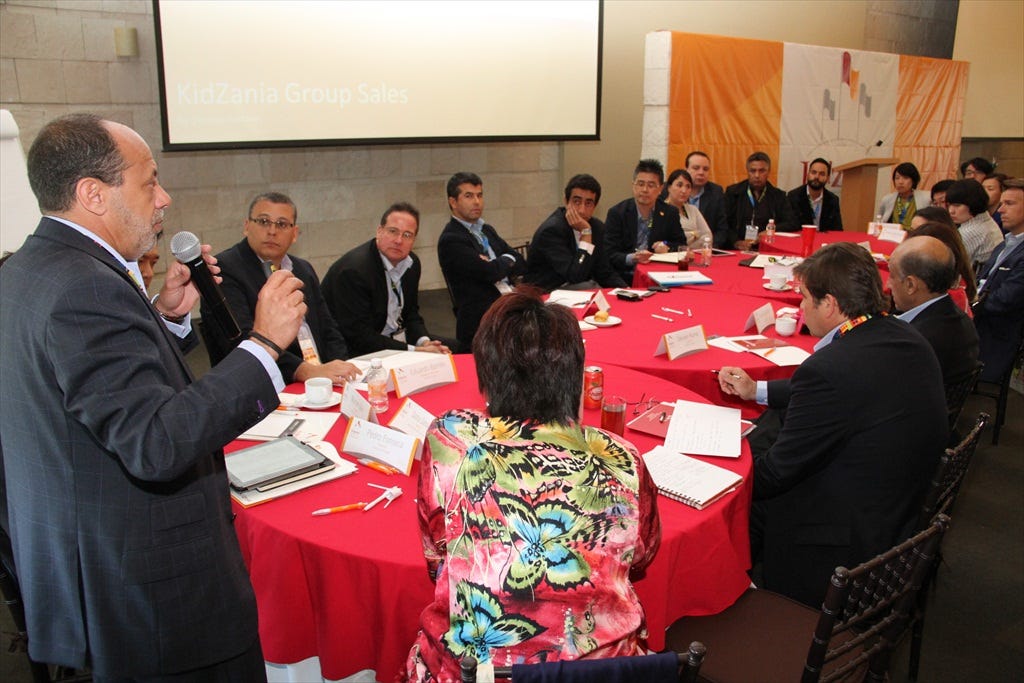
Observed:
{"x":612,"y":321}
{"x":299,"y":401}
{"x":784,"y":288}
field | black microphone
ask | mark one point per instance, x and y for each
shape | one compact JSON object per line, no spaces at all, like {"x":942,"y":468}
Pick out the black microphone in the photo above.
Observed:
{"x":186,"y":248}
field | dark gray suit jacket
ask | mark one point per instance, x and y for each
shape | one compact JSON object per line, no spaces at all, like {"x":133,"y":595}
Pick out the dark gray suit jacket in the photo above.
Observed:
{"x":356,"y":291}
{"x":865,"y":426}
{"x":620,"y":228}
{"x":118,"y":497}
{"x":712,"y":207}
{"x":952,"y":336}
{"x":999,"y":311}
{"x":556,"y":259}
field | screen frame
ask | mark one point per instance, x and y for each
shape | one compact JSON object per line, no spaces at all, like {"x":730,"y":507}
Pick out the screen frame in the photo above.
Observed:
{"x":168,"y":146}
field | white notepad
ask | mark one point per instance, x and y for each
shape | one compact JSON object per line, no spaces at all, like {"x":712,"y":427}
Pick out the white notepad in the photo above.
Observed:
{"x":688,"y":480}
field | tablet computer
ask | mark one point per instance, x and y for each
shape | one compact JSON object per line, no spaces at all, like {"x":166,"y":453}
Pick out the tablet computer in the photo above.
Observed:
{"x":263,"y":465}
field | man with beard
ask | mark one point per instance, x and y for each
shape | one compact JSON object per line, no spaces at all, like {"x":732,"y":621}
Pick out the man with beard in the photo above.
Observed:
{"x":812,"y":203}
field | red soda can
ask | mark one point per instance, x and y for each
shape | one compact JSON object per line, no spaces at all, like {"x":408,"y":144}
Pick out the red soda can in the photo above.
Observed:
{"x":593,"y":386}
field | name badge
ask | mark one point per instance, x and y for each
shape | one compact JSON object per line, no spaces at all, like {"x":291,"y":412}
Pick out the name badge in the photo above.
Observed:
{"x":751,"y":232}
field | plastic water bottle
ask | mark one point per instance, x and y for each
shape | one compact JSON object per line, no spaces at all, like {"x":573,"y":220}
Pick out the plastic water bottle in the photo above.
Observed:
{"x":377,"y":386}
{"x":706,"y":243}
{"x":307,"y":345}
{"x":769,"y":231}
{"x":876,"y":227}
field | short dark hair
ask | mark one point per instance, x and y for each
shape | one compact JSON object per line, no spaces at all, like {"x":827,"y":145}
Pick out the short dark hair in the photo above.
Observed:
{"x":819,"y":160}
{"x":941,"y":186}
{"x":1001,"y":178}
{"x":529,"y":359}
{"x":462,"y":178}
{"x":846,"y":271}
{"x":970,"y":193}
{"x":935,"y":214}
{"x":695,"y":153}
{"x":274,"y":198}
{"x":583,"y":181}
{"x":908,"y":170}
{"x":980,"y":164}
{"x":950,"y":236}
{"x":937,"y":276}
{"x":759,"y":156}
{"x":679,"y":173}
{"x":66,"y":150}
{"x":401,"y":207}
{"x":650,"y":166}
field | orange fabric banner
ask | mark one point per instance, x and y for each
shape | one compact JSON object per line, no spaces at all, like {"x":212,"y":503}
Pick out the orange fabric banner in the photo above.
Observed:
{"x":726,"y":100}
{"x":929,"y":116}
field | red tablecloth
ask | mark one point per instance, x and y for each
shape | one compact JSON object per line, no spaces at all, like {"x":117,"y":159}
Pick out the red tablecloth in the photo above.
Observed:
{"x":728,"y":277}
{"x":791,"y":243}
{"x":350,"y":587}
{"x":632,"y":344}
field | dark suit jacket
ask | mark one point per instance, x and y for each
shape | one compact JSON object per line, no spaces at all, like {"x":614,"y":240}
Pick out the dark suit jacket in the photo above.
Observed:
{"x":738,"y":212}
{"x":555,"y":259}
{"x":800,"y":203}
{"x":952,"y":336}
{"x":999,"y":311}
{"x":712,"y":207}
{"x":119,"y":504}
{"x":356,"y":291}
{"x":864,"y":428}
{"x":621,"y":227}
{"x":472,"y":279}
{"x":243,"y":276}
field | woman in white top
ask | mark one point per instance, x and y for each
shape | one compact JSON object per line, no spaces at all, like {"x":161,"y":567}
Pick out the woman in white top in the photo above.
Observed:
{"x":968,"y":207}
{"x":679,"y":186}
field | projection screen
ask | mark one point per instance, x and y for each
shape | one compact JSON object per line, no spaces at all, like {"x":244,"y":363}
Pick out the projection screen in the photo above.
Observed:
{"x":267,"y":74}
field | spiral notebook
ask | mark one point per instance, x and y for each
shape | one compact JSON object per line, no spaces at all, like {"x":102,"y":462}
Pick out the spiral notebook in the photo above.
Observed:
{"x":688,"y":480}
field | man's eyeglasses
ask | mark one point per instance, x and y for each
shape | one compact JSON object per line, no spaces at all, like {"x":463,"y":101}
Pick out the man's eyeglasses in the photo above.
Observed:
{"x":395,"y":232}
{"x":642,"y":406}
{"x":265,"y":223}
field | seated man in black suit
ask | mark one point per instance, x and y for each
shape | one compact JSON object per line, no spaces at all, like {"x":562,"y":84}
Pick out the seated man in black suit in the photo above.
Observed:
{"x":567,"y":251}
{"x":921,"y":271}
{"x":270,"y":229}
{"x":636,"y":227}
{"x":755,"y":201}
{"x":477,"y":264}
{"x":812,"y":203}
{"x":708,"y":197}
{"x":864,"y":427}
{"x":999,"y":310}
{"x":373,"y":290}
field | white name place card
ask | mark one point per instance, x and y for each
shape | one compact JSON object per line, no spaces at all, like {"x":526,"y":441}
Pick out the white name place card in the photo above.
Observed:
{"x":682,"y":342}
{"x":600,"y":301}
{"x":892,"y":232}
{"x":762,"y":317}
{"x":436,"y":370}
{"x":353,"y":404}
{"x":413,"y":419}
{"x":367,"y":440}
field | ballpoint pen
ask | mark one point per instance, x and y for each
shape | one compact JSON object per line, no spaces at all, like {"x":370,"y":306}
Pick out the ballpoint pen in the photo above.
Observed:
{"x":660,"y":317}
{"x":671,"y":310}
{"x":340,"y":508}
{"x":731,"y":374}
{"x":689,"y":313}
{"x":383,"y":469}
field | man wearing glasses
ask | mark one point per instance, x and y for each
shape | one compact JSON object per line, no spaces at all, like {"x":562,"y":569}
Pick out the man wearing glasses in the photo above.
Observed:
{"x":637,"y":227}
{"x":373,"y":290}
{"x":270,"y":229}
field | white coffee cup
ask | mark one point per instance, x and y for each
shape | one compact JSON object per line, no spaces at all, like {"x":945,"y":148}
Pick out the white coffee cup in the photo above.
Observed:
{"x":786,"y":326}
{"x":318,"y":390}
{"x":778,"y":281}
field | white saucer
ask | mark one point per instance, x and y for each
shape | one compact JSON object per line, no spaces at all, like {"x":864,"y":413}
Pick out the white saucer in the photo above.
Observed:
{"x":784,"y":288}
{"x":612,"y":321}
{"x":334,"y":400}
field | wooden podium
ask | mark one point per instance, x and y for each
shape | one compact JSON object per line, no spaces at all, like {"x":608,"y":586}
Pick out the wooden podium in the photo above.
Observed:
{"x":860,"y":180}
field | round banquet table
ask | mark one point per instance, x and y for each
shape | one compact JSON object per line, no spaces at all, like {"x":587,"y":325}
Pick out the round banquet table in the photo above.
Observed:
{"x":633,"y":343}
{"x":349,"y":587}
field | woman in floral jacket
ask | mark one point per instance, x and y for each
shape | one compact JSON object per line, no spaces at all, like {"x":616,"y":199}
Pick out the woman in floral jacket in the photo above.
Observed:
{"x":533,"y":525}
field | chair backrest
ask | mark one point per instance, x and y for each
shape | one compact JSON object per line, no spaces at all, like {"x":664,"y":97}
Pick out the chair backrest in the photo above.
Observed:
{"x":957,"y":392}
{"x":522,"y":249}
{"x":687,"y":668}
{"x":950,"y":473}
{"x":867,"y":608}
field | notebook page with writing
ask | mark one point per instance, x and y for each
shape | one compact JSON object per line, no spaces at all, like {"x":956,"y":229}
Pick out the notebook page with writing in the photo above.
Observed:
{"x":688,"y":480}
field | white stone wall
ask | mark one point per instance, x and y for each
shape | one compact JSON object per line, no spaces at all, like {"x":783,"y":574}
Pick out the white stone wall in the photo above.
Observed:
{"x":58,"y":57}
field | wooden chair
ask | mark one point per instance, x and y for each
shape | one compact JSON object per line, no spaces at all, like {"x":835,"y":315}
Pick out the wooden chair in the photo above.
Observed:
{"x":941,"y":497}
{"x":1001,"y":391}
{"x":956,"y":395}
{"x":522,"y":249}
{"x":768,"y":637}
{"x":688,"y":666}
